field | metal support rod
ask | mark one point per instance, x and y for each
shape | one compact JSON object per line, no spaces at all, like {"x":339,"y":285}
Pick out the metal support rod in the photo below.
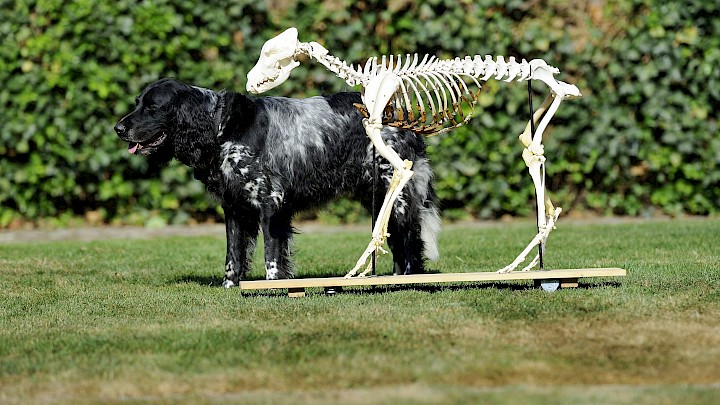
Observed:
{"x":374,"y":185}
{"x":532,"y":136}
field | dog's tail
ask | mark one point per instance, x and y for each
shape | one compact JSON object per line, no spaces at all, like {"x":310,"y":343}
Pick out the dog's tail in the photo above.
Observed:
{"x":430,"y":227}
{"x":429,"y":216}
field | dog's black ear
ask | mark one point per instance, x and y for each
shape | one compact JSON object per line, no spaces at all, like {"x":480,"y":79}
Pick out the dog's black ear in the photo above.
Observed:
{"x":183,"y":108}
{"x":239,"y":114}
{"x":190,"y":107}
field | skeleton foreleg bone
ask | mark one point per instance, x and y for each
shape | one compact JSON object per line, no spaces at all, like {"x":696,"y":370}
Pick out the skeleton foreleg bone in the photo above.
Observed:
{"x":376,"y":96}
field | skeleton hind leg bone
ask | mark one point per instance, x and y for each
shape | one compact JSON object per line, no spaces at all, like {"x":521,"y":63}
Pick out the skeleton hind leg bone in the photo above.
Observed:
{"x":535,"y":161}
{"x":376,"y":96}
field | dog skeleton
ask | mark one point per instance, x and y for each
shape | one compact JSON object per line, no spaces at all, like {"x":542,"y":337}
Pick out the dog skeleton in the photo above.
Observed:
{"x":400,"y":94}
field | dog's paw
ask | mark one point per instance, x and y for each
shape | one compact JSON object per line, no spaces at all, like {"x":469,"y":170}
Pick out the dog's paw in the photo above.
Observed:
{"x":228,"y":284}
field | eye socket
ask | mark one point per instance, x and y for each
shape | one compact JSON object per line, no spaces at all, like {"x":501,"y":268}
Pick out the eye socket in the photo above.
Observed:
{"x":269,"y":52}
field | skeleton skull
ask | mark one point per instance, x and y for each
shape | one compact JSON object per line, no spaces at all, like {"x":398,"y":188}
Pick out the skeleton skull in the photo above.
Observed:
{"x":275,"y":63}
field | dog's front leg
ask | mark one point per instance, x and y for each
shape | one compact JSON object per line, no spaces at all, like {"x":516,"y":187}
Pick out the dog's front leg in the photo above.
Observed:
{"x":277,"y":232}
{"x":241,"y":228}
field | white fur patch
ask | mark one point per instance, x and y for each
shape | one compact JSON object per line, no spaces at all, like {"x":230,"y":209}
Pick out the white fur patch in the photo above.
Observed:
{"x":277,"y":192}
{"x":422,"y":176}
{"x":401,"y":204}
{"x":233,"y":154}
{"x":253,"y":188}
{"x":429,"y":218}
{"x":429,"y":230}
{"x":229,"y":269}
{"x":277,"y":197}
{"x":271,"y":271}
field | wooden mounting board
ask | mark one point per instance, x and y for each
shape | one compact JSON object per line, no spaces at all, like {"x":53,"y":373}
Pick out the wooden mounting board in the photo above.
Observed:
{"x":296,"y":286}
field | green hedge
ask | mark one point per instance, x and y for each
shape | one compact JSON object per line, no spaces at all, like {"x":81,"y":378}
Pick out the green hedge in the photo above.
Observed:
{"x":643,"y":139}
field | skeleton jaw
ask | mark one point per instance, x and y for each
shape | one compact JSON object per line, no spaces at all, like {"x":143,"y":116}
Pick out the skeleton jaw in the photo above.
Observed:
{"x":277,"y":60}
{"x":263,"y":78}
{"x":258,"y":83}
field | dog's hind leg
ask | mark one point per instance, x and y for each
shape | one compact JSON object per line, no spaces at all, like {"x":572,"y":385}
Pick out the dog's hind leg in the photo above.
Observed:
{"x":406,"y":244}
{"x":415,"y":223}
{"x":404,"y":227}
{"x":426,"y":205}
{"x":241,"y":228}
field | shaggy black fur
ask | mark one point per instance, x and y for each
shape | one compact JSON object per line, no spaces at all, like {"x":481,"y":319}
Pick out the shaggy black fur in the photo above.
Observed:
{"x":265,"y":159}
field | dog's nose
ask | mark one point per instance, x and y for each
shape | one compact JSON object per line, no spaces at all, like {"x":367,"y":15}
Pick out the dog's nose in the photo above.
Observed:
{"x":120,"y":128}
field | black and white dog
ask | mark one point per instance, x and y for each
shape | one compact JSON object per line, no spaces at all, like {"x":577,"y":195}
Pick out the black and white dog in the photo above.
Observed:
{"x":267,"y":158}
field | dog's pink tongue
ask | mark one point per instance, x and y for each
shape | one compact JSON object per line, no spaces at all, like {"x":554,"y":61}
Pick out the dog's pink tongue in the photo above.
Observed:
{"x":133,"y":147}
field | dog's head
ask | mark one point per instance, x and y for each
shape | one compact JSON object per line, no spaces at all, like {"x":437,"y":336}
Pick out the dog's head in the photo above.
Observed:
{"x":164,"y":112}
{"x":148,"y":128}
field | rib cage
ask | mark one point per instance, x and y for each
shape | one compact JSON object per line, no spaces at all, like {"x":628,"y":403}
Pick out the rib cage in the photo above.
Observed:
{"x":434,"y":92}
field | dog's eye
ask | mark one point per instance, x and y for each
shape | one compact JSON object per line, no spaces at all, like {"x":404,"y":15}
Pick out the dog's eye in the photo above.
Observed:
{"x":151,"y":108}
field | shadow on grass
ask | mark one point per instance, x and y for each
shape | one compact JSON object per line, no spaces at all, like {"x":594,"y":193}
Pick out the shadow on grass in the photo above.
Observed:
{"x":436,"y":288}
{"x":599,"y":284}
{"x":341,"y":273}
{"x":440,"y":287}
{"x":208,"y":281}
{"x":216,"y":280}
{"x":386,"y":289}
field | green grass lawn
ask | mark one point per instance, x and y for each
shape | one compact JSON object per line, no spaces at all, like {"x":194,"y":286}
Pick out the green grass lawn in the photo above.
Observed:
{"x":145,"y":321}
